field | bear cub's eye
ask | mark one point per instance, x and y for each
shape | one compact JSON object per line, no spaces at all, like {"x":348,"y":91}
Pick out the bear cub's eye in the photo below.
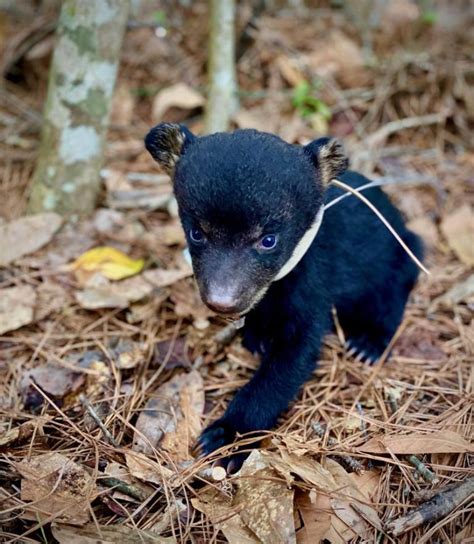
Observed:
{"x":269,"y":241}
{"x":196,"y":235}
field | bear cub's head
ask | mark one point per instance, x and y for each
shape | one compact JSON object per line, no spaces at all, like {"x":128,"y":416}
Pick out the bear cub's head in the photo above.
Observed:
{"x":246,"y":201}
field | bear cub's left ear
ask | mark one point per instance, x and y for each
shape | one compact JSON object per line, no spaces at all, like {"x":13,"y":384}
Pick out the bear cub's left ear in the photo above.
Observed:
{"x":329,"y":157}
{"x":166,"y":143}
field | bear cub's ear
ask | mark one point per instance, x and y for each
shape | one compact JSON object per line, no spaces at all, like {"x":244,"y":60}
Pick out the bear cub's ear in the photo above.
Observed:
{"x":166,"y":143}
{"x":329,"y":157}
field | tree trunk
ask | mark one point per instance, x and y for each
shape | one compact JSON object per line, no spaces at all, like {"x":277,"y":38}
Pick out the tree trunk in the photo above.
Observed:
{"x":222,"y":99}
{"x":81,"y":82}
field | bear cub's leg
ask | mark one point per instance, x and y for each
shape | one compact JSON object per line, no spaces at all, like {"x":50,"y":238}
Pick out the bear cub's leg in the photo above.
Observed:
{"x":288,"y":359}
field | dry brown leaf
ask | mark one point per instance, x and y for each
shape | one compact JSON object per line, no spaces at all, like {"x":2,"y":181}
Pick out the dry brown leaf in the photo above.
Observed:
{"x":349,"y":503}
{"x":16,"y":307}
{"x":146,"y":469}
{"x":172,"y":418}
{"x":252,"y":119}
{"x":398,"y":13}
{"x":102,"y":293}
{"x":218,"y":508}
{"x":306,"y":468}
{"x":59,"y":487}
{"x":171,"y":234}
{"x":188,"y":303}
{"x":458,"y":228}
{"x":26,"y":234}
{"x":161,"y":277}
{"x":51,"y":298}
{"x":366,"y":482}
{"x":418,"y":443}
{"x":316,"y":512}
{"x":106,"y":534}
{"x":53,"y":379}
{"x":173,"y":353}
{"x":350,"y":517}
{"x":177,"y":96}
{"x":355,"y":499}
{"x":123,"y":194}
{"x":126,"y":353}
{"x":425,"y":227}
{"x":294,"y":129}
{"x":266,"y":502}
{"x":460,"y":292}
{"x":19,"y":434}
{"x":147,"y":309}
{"x":339,"y":532}
{"x":340,"y":56}
{"x":169,"y":517}
{"x":290,"y":70}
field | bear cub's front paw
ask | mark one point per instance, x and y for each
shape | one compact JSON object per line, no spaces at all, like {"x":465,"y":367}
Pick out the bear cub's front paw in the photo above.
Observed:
{"x":218,"y":434}
{"x":221,"y":433}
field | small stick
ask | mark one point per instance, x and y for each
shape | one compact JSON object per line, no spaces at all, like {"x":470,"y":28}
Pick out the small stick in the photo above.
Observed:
{"x":401,"y":124}
{"x":88,"y":406}
{"x":123,"y":487}
{"x":442,"y":504}
{"x":349,"y":461}
{"x":422,"y":469}
{"x":367,"y":202}
{"x":423,"y":495}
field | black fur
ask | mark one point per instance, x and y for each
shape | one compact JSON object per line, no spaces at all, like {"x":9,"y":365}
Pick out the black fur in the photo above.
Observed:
{"x":238,"y":187}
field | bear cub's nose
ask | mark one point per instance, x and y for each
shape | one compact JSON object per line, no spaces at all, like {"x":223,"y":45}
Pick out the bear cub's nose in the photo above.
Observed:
{"x":222,"y":301}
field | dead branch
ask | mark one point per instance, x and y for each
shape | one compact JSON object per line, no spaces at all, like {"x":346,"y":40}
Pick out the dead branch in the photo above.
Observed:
{"x":384,"y":132}
{"x":439,"y":506}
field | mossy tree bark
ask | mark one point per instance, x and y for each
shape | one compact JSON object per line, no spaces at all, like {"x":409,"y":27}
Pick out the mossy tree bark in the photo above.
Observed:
{"x":81,"y":83}
{"x":222,"y":98}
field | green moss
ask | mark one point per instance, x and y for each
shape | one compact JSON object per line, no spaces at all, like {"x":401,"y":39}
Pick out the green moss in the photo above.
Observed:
{"x":95,"y":104}
{"x":84,"y":38}
{"x":59,"y":79}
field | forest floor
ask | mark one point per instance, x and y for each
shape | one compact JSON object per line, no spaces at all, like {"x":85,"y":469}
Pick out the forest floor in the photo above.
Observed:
{"x":107,"y":380}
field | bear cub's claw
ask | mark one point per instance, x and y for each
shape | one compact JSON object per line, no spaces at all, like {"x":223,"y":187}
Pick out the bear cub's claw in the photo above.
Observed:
{"x":218,"y":434}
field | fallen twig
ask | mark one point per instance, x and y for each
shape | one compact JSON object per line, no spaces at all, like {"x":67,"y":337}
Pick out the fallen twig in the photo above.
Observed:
{"x":347,"y":460}
{"x":88,"y":406}
{"x":439,"y":506}
{"x":401,"y":124}
{"x":123,"y":487}
{"x":422,"y":469}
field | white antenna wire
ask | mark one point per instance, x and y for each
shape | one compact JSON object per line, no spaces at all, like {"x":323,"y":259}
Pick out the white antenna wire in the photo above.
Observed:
{"x":367,"y":202}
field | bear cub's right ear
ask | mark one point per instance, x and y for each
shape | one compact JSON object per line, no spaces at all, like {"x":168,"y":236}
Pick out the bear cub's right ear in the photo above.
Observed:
{"x":166,"y":143}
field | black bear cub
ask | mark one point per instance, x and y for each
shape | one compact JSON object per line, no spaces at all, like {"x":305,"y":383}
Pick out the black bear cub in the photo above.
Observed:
{"x":252,"y":209}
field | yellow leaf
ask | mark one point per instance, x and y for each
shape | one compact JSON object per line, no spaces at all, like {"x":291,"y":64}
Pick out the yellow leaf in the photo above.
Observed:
{"x":110,"y":262}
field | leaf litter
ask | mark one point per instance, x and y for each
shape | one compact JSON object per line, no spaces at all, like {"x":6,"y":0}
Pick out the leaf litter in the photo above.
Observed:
{"x":122,"y":343}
